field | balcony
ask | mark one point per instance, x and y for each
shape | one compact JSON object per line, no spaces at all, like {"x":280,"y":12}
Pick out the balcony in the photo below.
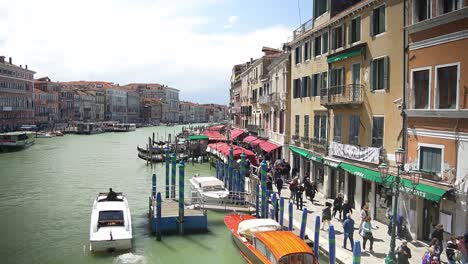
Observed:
{"x":295,"y":137}
{"x":253,"y":128}
{"x":319,"y":141}
{"x":303,"y":29}
{"x":342,"y":96}
{"x":264,"y":100}
{"x":253,"y":100}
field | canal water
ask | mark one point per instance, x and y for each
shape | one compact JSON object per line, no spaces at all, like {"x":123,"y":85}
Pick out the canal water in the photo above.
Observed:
{"x":47,"y":191}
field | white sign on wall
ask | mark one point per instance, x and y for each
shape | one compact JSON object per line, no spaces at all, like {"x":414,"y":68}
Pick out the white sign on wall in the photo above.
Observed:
{"x":367,"y":154}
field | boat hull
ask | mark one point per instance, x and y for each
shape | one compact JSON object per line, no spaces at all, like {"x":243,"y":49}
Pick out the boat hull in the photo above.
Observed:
{"x":110,"y":245}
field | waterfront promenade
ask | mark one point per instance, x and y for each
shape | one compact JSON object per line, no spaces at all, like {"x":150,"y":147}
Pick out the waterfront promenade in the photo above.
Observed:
{"x":381,"y":242}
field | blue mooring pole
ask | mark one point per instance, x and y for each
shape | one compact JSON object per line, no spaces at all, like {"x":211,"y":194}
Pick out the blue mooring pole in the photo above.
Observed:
{"x":303,"y":223}
{"x":242,"y":174}
{"x":166,"y":157}
{"x":281,"y":212}
{"x":317,"y":236}
{"x":264,"y":190}
{"x":158,"y":216}
{"x":181,"y":196}
{"x":274,"y":201}
{"x":267,"y":206}
{"x":357,"y":252}
{"x":217,"y":169}
{"x":331,"y":244}
{"x":173,"y":176}
{"x":257,"y":201}
{"x":153,"y":186}
{"x":231,"y":169}
{"x":290,"y":211}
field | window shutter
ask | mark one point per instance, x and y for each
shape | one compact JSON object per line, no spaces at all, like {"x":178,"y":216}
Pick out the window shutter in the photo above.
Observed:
{"x":386,"y":73}
{"x":342,"y":80}
{"x":310,"y":85}
{"x":318,"y":85}
{"x":371,"y":75}
{"x":371,"y":22}
{"x":358,"y":29}
{"x":351,"y":32}
{"x":344,"y":35}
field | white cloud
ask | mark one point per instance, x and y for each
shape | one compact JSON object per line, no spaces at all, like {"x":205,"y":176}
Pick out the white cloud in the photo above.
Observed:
{"x":146,"y":41}
{"x":231,"y":20}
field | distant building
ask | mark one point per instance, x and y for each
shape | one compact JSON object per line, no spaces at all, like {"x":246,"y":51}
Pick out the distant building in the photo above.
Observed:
{"x":51,"y":91}
{"x":16,"y":95}
{"x":133,"y":107}
{"x":116,"y":105}
{"x":172,"y":99}
{"x":152,"y":110}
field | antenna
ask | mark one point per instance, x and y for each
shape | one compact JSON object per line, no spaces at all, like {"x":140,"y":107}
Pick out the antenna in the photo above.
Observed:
{"x":299,"y":10}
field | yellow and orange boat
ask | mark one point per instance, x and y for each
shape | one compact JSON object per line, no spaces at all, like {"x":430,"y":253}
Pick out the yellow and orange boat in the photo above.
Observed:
{"x":263,"y":241}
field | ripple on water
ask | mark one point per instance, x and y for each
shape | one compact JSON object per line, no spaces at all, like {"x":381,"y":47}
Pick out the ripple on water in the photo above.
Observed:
{"x":130,"y":258}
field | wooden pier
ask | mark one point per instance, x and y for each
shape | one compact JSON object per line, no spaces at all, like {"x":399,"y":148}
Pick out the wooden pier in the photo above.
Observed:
{"x":195,"y":220}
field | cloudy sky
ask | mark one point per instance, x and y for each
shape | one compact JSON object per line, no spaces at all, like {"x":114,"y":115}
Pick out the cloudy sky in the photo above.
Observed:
{"x":187,"y":44}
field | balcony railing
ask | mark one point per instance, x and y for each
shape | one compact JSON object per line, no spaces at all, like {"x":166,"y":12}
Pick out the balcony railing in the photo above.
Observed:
{"x":342,"y":95}
{"x":303,"y":28}
{"x":305,"y":140}
{"x":295,"y":137}
{"x":264,"y":99}
{"x":319,"y":141}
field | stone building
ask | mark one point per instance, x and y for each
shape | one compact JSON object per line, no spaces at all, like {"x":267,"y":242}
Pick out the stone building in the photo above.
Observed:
{"x":116,"y":105}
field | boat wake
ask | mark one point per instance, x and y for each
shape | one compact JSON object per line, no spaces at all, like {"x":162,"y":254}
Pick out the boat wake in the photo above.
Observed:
{"x":130,"y":258}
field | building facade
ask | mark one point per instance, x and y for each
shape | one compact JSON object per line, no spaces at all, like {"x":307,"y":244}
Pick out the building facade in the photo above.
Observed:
{"x":437,"y":114}
{"x":133,"y":107}
{"x":16,"y":95}
{"x":172,"y":100}
{"x":116,"y":105}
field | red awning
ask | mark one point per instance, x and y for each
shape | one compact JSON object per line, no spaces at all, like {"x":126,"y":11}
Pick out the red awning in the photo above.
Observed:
{"x":256,"y":142}
{"x":249,"y":139}
{"x":235,"y":133}
{"x":268,"y":146}
{"x":216,"y":128}
{"x":214,"y":135}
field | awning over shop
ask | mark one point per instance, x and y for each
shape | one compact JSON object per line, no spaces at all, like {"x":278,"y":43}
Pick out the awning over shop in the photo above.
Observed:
{"x":364,"y":173}
{"x":249,"y":139}
{"x":268,"y":146}
{"x":256,"y":142}
{"x":306,"y":154}
{"x":198,"y":137}
{"x":422,"y":190}
{"x":345,"y":55}
{"x":235,"y":133}
{"x":216,"y":128}
{"x":214,"y":135}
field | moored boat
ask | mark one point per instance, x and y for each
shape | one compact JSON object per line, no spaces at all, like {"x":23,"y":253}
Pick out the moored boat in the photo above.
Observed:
{"x":111,"y":224}
{"x":14,"y":141}
{"x":43,"y":135}
{"x":263,"y":241}
{"x":151,"y":157}
{"x":124,"y":127}
{"x":209,"y":189}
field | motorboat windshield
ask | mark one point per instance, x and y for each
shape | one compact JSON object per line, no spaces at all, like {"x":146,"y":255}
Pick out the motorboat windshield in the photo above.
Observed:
{"x":111,"y":218}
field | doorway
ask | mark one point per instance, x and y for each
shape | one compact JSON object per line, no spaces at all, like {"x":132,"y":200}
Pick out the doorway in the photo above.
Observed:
{"x":431,"y":218}
{"x":351,"y":188}
{"x":366,"y":190}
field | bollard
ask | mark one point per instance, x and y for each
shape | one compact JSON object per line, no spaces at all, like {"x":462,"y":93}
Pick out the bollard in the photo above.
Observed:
{"x":263,"y":174}
{"x":281,"y":214}
{"x":257,"y":198}
{"x":357,"y":252}
{"x":166,"y":157}
{"x":273,"y":203}
{"x":173,"y":176}
{"x":331,"y":244}
{"x":290,"y":211}
{"x":158,"y":216}
{"x":153,"y":182}
{"x":317,"y":236}
{"x":230,"y":169}
{"x":181,"y":196}
{"x":303,"y":223}
{"x":242,"y":173}
{"x":226,"y":174}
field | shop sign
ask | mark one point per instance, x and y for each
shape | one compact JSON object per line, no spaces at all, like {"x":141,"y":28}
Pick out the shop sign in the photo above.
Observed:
{"x":413,"y":191}
{"x":367,"y":154}
{"x":333,"y":164}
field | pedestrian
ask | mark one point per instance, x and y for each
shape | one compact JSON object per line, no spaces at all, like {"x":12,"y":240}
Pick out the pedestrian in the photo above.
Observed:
{"x":451,"y":250}
{"x":111,"y":195}
{"x":307,"y":187}
{"x":435,"y":248}
{"x":337,"y":205}
{"x":438,"y":233}
{"x":293,"y":188}
{"x":326,"y":216}
{"x":299,"y":193}
{"x":364,"y":215}
{"x":403,"y":253}
{"x":269,"y":185}
{"x":287,"y":169}
{"x":313,"y":191}
{"x":279,"y":185}
{"x":463,"y":250}
{"x":347,"y":208}
{"x":348,"y":230}
{"x":366,"y":233}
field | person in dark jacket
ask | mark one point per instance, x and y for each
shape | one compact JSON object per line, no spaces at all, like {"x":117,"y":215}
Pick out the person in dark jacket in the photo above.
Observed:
{"x":451,"y":249}
{"x":279,"y":185}
{"x":403,"y":253}
{"x":337,"y":205}
{"x":348,"y":231}
{"x":299,"y":193}
{"x":308,"y":187}
{"x":347,"y":209}
{"x":439,"y":234}
{"x":111,"y":195}
{"x":326,"y":215}
{"x":269,"y":185}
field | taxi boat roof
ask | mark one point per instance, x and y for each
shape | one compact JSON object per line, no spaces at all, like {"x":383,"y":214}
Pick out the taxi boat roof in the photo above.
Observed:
{"x":283,"y":243}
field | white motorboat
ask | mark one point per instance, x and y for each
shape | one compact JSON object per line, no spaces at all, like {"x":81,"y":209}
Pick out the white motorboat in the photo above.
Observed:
{"x":43,"y":135}
{"x":111,"y":224}
{"x":209,"y":189}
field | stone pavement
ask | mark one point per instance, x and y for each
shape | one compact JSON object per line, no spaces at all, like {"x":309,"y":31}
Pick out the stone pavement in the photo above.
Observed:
{"x":381,"y":238}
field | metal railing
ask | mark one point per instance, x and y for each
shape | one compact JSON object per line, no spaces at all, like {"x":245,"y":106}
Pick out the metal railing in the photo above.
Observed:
{"x":305,"y":140}
{"x":303,"y":28}
{"x":253,"y":128}
{"x":342,"y":94}
{"x":319,"y":141}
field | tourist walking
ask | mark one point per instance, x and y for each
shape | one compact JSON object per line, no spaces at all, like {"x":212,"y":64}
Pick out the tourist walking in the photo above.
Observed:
{"x":435,"y":249}
{"x":293,"y":188}
{"x":269,"y":185}
{"x":451,"y":250}
{"x":307,"y":187}
{"x":403,"y":253}
{"x":337,"y":205}
{"x":279,"y":185}
{"x":299,"y":194}
{"x":439,"y":234}
{"x":347,"y":208}
{"x":366,"y":233}
{"x":463,"y":250}
{"x":364,"y":215}
{"x":348,"y":230}
{"x":326,"y":216}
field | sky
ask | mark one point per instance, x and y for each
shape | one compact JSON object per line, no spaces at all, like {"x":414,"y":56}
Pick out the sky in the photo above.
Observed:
{"x":190,"y":45}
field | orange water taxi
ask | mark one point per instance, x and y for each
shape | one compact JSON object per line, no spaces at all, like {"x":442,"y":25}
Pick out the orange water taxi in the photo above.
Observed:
{"x":263,"y":241}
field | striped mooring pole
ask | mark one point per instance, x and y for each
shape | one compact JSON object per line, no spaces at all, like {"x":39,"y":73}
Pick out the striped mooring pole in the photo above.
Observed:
{"x":158,"y":216}
{"x":331,"y":244}
{"x":317,"y":236}
{"x":231,"y":169}
{"x":290,"y":220}
{"x":242,"y":173}
{"x":281,"y":212}
{"x":257,"y":201}
{"x":181,"y":196}
{"x":153,"y":186}
{"x":357,"y":252}
{"x":303,"y":223}
{"x":173,"y":175}
{"x":274,"y":201}
{"x":264,"y":190}
{"x":166,"y":157}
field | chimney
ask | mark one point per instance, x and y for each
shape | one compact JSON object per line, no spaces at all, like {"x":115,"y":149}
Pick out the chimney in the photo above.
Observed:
{"x":10,"y":60}
{"x":21,"y":65}
{"x":2,"y":59}
{"x":251,"y":60}
{"x":26,"y":66}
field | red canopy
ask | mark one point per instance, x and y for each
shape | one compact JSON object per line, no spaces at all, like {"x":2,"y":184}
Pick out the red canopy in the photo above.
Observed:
{"x":214,"y":135}
{"x":223,"y":149}
{"x":249,"y":139}
{"x":216,"y":128}
{"x":268,"y":146}
{"x":256,"y":142}
{"x":235,"y":133}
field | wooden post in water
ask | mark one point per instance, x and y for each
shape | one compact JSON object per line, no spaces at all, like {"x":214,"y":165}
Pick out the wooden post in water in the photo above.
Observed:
{"x":158,"y":216}
{"x":166,"y":157}
{"x":281,"y":212}
{"x":230,"y":169}
{"x":153,"y":182}
{"x":173,"y":176}
{"x":303,"y":223}
{"x":274,"y":201}
{"x":257,"y":201}
{"x":317,"y":236}
{"x":331,"y":244}
{"x":263,"y":184}
{"x":181,"y":196}
{"x":147,"y":154}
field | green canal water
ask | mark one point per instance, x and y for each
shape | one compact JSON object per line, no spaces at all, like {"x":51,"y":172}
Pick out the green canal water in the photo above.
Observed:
{"x":47,"y":191}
